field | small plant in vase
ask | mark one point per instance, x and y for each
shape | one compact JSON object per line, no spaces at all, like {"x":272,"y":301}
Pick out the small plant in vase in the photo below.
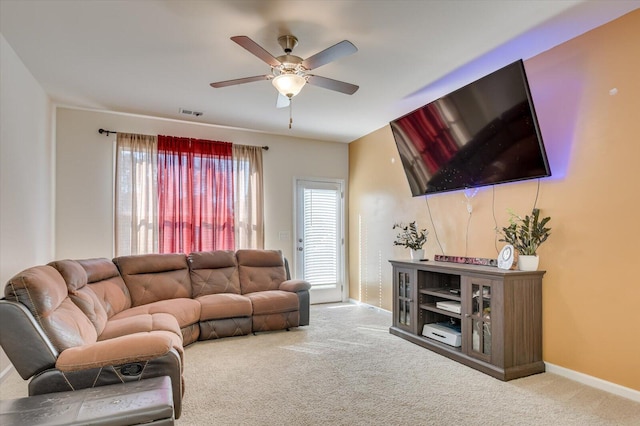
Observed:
{"x":526,"y":235}
{"x":412,"y":238}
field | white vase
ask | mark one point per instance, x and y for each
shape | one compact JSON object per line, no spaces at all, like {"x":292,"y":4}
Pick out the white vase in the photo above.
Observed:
{"x":417,"y":254}
{"x":528,"y":262}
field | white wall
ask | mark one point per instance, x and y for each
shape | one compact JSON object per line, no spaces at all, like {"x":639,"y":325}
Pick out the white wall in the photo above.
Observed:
{"x":26,"y":170}
{"x":84,"y":164}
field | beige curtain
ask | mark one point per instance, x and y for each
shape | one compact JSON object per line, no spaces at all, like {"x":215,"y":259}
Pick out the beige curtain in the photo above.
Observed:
{"x":248,"y":197}
{"x":136,"y":194}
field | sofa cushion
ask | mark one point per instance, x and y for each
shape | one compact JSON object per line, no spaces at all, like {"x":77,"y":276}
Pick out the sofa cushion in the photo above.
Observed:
{"x":273,"y":302}
{"x":185,"y":311}
{"x":84,"y":297}
{"x":155,"y":277}
{"x":260,"y":270}
{"x":44,"y":292}
{"x":140,"y":323}
{"x":224,"y":305}
{"x":104,"y":279}
{"x":213,"y":272}
{"x":137,"y":347}
{"x":73,"y":274}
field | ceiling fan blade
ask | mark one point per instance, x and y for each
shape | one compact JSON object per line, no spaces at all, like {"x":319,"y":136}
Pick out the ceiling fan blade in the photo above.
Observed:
{"x":256,"y":49}
{"x":330,"y":54}
{"x":233,"y":82}
{"x":328,"y":83}
{"x":282,"y":101}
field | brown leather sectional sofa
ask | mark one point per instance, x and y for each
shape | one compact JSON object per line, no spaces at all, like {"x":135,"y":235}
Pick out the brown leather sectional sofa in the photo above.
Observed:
{"x":74,"y":324}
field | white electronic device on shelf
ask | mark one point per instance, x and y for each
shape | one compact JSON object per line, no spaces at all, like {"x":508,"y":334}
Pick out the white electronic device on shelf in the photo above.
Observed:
{"x":449,"y":306}
{"x":443,"y":332}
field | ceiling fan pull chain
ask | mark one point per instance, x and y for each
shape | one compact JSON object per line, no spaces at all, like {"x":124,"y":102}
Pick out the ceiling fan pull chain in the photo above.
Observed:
{"x":290,"y":113}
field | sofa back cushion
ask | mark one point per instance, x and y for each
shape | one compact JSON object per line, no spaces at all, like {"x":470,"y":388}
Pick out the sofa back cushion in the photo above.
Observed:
{"x":154,"y":277}
{"x":104,"y":279}
{"x":75,"y":278}
{"x":213,"y":272}
{"x":44,"y":292}
{"x":95,"y":278}
{"x":260,"y":270}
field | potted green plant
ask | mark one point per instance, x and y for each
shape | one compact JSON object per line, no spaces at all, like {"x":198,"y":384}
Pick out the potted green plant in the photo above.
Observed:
{"x":412,"y":238}
{"x":526,"y":235}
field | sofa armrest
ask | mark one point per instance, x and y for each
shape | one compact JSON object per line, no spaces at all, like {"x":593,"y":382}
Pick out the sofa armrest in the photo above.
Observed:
{"x":295,"y":286}
{"x":137,"y":347}
{"x":300,"y":287}
{"x":24,"y":341}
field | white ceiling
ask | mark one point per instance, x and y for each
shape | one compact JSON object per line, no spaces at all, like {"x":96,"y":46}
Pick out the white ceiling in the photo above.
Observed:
{"x":155,"y":57}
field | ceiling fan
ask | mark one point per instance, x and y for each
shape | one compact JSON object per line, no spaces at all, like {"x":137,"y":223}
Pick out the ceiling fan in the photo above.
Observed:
{"x":289,"y":73}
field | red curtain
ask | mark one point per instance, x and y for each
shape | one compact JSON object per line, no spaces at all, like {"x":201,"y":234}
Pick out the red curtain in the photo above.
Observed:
{"x":195,"y":195}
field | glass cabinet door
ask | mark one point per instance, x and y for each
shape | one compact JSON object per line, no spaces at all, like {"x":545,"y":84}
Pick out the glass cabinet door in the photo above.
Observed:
{"x":479,"y":319}
{"x":404,"y":282}
{"x":405,"y":299}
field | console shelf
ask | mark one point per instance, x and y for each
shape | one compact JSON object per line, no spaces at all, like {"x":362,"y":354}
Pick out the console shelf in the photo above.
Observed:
{"x":432,"y":307}
{"x":500,"y":322}
{"x":443,"y":293}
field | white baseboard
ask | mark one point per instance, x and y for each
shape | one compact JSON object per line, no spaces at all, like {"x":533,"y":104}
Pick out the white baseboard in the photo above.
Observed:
{"x":5,"y":373}
{"x":594,"y":382}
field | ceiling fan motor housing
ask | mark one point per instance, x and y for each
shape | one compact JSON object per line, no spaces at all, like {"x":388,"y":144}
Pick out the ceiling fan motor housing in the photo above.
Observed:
{"x":290,"y":64}
{"x":288,"y":42}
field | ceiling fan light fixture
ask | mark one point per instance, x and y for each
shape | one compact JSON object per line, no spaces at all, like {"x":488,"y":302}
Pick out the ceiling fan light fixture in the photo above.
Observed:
{"x":289,"y":85}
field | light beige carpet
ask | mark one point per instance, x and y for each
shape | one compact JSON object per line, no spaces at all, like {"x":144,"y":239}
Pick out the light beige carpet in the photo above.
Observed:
{"x":346,"y":369}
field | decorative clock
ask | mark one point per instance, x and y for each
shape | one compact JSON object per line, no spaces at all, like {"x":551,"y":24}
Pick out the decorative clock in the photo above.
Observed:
{"x":507,"y":259}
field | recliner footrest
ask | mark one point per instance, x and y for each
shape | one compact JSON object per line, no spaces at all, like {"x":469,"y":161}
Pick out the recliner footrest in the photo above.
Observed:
{"x":148,"y":401}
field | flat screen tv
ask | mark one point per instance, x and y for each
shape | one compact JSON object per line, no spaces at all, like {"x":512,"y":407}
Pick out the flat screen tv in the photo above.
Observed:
{"x":485,"y":133}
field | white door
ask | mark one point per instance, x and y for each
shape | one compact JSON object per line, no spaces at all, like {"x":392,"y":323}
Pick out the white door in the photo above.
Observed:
{"x":319,"y":237}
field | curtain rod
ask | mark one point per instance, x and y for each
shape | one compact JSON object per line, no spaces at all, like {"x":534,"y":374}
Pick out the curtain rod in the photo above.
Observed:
{"x":108,"y":132}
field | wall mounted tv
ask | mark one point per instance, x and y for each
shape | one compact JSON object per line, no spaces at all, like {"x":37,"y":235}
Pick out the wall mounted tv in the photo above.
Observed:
{"x":485,"y":133}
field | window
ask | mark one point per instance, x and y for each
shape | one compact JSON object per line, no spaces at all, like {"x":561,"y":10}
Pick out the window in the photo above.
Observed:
{"x":184,"y":195}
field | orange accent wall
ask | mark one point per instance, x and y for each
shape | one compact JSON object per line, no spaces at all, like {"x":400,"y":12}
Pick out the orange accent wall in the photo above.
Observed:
{"x":591,"y":291}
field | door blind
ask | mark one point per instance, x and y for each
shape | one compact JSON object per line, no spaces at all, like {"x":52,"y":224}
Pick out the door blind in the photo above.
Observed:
{"x":321,"y":236}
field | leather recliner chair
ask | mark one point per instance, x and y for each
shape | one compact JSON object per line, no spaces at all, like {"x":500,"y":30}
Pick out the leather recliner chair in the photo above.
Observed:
{"x":63,"y":351}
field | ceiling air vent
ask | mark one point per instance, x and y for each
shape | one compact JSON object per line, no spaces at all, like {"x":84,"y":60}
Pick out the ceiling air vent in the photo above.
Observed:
{"x":190,"y":112}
